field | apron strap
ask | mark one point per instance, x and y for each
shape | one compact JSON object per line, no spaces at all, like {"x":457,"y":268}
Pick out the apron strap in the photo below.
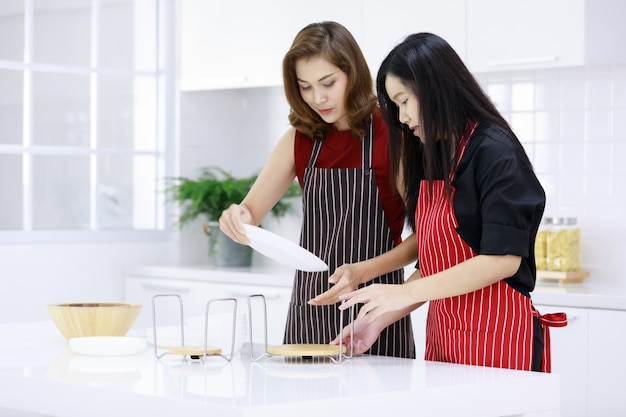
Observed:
{"x":366,"y":149}
{"x":546,"y":321}
{"x":315,"y":153}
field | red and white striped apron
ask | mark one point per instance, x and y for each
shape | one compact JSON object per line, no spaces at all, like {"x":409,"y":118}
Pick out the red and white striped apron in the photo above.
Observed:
{"x":492,"y":326}
{"x":343,"y":222}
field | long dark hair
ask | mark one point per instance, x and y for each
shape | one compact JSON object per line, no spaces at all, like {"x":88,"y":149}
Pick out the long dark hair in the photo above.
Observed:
{"x":450,"y":99}
{"x":334,"y":43}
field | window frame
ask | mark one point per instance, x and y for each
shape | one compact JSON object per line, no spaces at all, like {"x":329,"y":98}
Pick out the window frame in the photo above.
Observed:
{"x":165,"y":120}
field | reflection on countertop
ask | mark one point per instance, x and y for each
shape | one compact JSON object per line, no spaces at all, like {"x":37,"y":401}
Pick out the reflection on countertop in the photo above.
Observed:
{"x":33,"y":358}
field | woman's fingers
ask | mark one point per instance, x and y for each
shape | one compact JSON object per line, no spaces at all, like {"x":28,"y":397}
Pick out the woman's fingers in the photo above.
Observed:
{"x":353,"y":298}
{"x":231,"y":223}
{"x":361,"y":296}
{"x":336,"y":276}
{"x":342,"y":281}
{"x":328,"y":297}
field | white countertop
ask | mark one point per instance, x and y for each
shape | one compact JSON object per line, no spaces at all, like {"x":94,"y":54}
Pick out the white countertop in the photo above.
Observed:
{"x":40,"y":374}
{"x":588,"y":294}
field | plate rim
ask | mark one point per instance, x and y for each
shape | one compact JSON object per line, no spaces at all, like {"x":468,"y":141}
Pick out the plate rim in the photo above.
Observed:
{"x":322,"y":266}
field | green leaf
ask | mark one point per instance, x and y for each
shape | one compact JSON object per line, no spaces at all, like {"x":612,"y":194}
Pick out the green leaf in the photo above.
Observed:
{"x":214,"y":191}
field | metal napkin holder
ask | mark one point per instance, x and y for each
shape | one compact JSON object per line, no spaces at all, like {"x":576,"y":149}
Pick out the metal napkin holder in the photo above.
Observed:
{"x":334,"y":358}
{"x":202,"y":358}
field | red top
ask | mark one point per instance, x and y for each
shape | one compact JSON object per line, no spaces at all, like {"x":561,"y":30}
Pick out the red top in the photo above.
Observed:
{"x":341,"y":150}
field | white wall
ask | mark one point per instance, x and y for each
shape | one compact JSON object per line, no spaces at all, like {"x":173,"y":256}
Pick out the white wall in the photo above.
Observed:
{"x":572,"y":122}
{"x":236,"y":130}
{"x":34,"y":275}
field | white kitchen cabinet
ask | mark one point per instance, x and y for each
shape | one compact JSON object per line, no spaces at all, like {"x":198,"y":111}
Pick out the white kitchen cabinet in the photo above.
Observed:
{"x":570,"y":350}
{"x":505,"y":35}
{"x":589,"y":355}
{"x":241,"y":43}
{"x":384,"y":26}
{"x":195,"y":295}
{"x":607,"y":363}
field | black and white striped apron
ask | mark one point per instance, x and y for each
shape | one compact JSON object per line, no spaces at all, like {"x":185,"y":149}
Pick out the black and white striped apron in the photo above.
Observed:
{"x":343,"y":222}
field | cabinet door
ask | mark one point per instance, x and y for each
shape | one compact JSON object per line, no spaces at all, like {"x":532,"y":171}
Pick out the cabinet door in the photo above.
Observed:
{"x":607,"y":366}
{"x":276,"y":303}
{"x":141,"y":290}
{"x":241,"y":43}
{"x":196,"y":294}
{"x":525,"y":34}
{"x":570,"y":351}
{"x":384,"y":27}
{"x":229,"y":44}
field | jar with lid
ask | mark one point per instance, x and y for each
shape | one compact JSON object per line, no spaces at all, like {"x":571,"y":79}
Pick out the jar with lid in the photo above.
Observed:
{"x":541,"y":243}
{"x":563,"y":245}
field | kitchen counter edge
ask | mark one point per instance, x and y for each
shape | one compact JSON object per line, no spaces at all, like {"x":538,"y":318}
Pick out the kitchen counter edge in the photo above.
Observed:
{"x":588,"y":294}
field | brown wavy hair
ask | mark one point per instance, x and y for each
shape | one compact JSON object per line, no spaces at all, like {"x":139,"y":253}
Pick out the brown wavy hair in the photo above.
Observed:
{"x":334,"y":43}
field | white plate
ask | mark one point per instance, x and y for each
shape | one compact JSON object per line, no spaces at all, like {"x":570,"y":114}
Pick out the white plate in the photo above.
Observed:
{"x":283,"y":250}
{"x":107,"y":345}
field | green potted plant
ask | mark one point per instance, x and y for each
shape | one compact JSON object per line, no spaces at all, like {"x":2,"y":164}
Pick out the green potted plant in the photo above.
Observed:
{"x":210,"y":194}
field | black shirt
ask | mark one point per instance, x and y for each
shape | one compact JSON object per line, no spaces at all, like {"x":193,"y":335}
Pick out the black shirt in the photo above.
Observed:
{"x":499,"y":201}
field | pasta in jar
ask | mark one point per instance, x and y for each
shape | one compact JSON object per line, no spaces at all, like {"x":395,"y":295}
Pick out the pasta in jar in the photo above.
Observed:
{"x":563,"y":245}
{"x":541,"y":243}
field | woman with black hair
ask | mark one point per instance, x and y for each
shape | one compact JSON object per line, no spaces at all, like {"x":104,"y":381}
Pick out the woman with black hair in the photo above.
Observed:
{"x":474,"y":204}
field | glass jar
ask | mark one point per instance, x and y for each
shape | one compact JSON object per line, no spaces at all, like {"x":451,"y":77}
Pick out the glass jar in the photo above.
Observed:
{"x":563,"y":245}
{"x":541,"y":243}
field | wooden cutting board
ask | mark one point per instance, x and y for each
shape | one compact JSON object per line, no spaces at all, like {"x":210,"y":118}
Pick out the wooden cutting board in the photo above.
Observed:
{"x":305,"y":350}
{"x":565,"y":277}
{"x":194,"y":351}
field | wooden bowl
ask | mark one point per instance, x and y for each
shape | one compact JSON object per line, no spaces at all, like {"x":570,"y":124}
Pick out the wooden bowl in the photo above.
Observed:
{"x":93,"y":319}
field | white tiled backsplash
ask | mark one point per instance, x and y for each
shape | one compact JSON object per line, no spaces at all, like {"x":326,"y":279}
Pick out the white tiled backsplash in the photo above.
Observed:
{"x":572,"y":122}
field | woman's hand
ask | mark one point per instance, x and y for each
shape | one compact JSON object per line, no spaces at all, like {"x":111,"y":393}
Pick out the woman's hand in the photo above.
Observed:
{"x":364,"y":336}
{"x":273,"y":180}
{"x":232,"y":220}
{"x":346,"y":278}
{"x":378,"y":300}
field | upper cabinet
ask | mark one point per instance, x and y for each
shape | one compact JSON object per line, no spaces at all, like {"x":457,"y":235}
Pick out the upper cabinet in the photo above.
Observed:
{"x":506,"y":35}
{"x":241,"y":43}
{"x":387,"y":24}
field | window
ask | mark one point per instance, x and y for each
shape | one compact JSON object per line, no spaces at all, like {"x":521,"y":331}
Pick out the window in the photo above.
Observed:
{"x":84,"y":117}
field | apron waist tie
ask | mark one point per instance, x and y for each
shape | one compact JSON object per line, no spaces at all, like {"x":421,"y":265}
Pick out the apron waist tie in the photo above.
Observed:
{"x":546,"y":321}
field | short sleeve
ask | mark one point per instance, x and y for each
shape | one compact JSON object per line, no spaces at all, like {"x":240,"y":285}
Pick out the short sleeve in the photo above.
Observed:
{"x":510,"y":199}
{"x":501,"y":199}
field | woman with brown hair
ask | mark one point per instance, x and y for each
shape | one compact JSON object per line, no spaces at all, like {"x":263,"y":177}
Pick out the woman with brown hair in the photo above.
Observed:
{"x":337,"y":148}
